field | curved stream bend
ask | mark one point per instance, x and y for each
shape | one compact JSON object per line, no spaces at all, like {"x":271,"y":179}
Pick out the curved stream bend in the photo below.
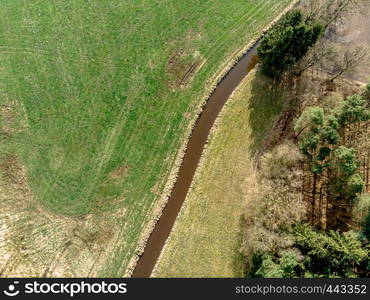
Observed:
{"x":190,"y":161}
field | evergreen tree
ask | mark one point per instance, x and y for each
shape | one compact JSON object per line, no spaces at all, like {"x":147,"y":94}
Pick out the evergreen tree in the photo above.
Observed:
{"x":287,"y":42}
{"x":318,"y":134}
{"x":366,"y":227}
{"x":269,"y":269}
{"x":282,"y":267}
{"x":331,"y":253}
{"x":354,"y":109}
{"x":346,"y":183}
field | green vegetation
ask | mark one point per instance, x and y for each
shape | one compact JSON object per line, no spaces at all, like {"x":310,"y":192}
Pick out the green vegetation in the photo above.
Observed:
{"x":287,"y":42}
{"x":283,"y":268}
{"x":101,"y":94}
{"x":206,"y":239}
{"x":366,"y":226}
{"x":332,"y":253}
{"x":317,"y":134}
{"x":318,"y":254}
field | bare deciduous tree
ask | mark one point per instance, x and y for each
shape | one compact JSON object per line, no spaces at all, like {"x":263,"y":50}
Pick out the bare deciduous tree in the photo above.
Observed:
{"x":317,"y":56}
{"x":347,"y":61}
{"x":323,"y":54}
{"x":336,"y":8}
{"x":327,"y":11}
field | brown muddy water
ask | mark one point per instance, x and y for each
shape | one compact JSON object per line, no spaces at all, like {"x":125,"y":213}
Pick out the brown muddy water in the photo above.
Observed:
{"x":193,"y":152}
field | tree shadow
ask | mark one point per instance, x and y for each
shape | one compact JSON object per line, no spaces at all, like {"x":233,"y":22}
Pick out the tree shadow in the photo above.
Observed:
{"x":238,"y":260}
{"x":266,"y":102}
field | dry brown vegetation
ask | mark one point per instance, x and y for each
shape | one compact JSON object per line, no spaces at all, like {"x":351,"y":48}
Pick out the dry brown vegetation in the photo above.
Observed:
{"x":274,"y":201}
{"x":35,"y":242}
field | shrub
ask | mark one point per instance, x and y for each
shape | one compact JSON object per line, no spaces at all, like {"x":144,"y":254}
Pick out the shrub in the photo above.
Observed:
{"x":281,"y":267}
{"x":277,"y":186}
{"x":282,"y":159}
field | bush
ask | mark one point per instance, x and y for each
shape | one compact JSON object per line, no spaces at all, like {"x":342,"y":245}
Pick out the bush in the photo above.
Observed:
{"x":282,"y":159}
{"x":281,"y":267}
{"x":268,"y":222}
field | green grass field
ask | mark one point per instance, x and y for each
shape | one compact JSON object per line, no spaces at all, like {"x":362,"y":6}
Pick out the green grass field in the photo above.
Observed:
{"x":206,"y":239}
{"x":100,"y":97}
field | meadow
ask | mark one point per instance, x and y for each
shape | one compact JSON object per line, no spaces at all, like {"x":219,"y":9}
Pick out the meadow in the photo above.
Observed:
{"x":97,"y":98}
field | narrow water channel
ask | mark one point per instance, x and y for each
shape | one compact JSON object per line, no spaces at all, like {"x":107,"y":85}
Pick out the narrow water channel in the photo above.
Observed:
{"x":190,"y":162}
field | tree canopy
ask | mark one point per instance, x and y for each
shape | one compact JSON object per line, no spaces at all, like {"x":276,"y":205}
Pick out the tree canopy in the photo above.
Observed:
{"x":287,"y":42}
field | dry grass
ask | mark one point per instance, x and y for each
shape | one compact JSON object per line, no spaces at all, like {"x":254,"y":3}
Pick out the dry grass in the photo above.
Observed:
{"x":36,"y":242}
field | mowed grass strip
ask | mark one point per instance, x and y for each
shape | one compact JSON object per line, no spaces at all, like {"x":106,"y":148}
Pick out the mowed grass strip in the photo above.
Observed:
{"x":103,"y":126}
{"x":206,"y":239}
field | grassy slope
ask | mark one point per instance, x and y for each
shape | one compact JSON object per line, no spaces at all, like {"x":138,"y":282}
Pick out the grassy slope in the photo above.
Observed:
{"x":205,"y":241}
{"x":93,"y":92}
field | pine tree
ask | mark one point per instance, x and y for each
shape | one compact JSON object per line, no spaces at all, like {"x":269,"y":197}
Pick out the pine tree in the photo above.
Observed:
{"x":346,"y":183}
{"x":287,"y":42}
{"x":354,"y":109}
{"x":366,"y":227}
{"x":332,"y":252}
